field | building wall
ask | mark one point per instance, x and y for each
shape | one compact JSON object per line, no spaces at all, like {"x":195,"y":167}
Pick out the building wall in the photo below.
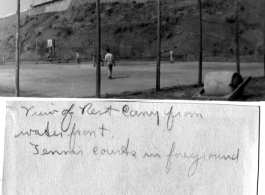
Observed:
{"x":58,"y":6}
{"x":37,"y":10}
{"x":112,"y":1}
{"x":38,"y":2}
{"x":64,"y":5}
{"x":51,"y":7}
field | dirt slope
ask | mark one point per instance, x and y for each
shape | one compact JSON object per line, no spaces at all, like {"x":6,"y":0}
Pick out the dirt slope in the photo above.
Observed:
{"x":130,"y":30}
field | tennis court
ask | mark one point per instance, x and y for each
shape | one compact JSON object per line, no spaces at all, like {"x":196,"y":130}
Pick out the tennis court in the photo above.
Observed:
{"x":79,"y":81}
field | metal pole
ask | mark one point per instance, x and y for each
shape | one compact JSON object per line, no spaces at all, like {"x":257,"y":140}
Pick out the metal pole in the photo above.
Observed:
{"x":237,"y":39}
{"x":158,"y":45}
{"x":200,"y":49}
{"x":98,"y":50}
{"x":17,"y":50}
{"x":36,"y":52}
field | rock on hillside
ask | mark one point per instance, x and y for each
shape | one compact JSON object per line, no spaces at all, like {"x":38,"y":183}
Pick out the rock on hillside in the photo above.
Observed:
{"x":129,"y":29}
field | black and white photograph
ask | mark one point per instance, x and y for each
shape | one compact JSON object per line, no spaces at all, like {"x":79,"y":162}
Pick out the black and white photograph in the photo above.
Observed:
{"x":132,"y":97}
{"x":133,"y":49}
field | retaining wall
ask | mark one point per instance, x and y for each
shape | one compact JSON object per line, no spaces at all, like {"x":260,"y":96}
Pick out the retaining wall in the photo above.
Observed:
{"x":64,"y":5}
{"x":51,"y":7}
{"x":110,"y":1}
{"x":37,"y":10}
{"x":58,"y":6}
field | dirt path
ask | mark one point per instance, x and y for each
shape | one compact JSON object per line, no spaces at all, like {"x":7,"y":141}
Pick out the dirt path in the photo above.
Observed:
{"x":254,"y":91}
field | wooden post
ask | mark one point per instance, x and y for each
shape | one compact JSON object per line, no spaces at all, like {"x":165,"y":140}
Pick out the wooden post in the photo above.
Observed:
{"x":158,"y":45}
{"x":94,"y":61}
{"x":36,"y":52}
{"x":53,"y":47}
{"x":98,"y":50}
{"x":237,"y":38}
{"x":200,"y":47}
{"x":264,"y":36}
{"x":102,"y":56}
{"x":17,"y":50}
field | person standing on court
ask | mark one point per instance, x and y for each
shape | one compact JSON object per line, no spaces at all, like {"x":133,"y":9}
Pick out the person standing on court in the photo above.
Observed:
{"x":109,"y":62}
{"x":4,"y":58}
{"x":77,"y":57}
{"x":171,"y":56}
{"x":102,"y":57}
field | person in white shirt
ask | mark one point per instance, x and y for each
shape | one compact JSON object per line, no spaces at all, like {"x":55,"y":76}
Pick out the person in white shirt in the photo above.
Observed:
{"x":109,"y":62}
{"x":4,"y":58}
{"x":171,"y":56}
{"x":77,"y":57}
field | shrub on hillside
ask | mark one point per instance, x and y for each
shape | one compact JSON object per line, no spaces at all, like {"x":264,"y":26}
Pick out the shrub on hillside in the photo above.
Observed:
{"x":58,"y":25}
{"x":109,"y":10}
{"x":39,"y":30}
{"x":207,"y":4}
{"x":64,"y":32}
{"x":10,"y":38}
{"x":138,"y":5}
{"x":230,"y":19}
{"x":81,"y":12}
{"x":56,"y":17}
{"x":25,"y":21}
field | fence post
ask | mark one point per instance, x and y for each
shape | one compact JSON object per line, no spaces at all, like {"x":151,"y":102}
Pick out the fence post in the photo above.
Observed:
{"x":200,"y":52}
{"x":237,"y":38}
{"x":36,"y":52}
{"x":158,"y":45}
{"x":264,"y":36}
{"x":98,"y":74}
{"x":17,"y":50}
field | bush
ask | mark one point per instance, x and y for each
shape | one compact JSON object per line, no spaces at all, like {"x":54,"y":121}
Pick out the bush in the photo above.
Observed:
{"x":58,"y":26}
{"x":230,"y":19}
{"x":67,"y":31}
{"x":207,"y":3}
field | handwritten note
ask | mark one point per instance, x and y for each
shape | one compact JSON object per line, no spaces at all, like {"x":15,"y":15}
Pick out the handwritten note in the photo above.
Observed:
{"x":96,"y":148}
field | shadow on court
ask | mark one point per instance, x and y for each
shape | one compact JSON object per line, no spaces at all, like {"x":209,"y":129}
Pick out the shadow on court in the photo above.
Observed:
{"x":121,"y":77}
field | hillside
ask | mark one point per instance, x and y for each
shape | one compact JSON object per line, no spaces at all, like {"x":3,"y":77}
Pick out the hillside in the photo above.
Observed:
{"x":129,"y":29}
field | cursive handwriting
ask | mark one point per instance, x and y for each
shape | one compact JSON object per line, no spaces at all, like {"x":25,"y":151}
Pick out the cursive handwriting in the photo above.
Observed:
{"x":126,"y":111}
{"x":94,"y":126}
{"x":31,"y":112}
{"x":151,"y":155}
{"x":193,"y":167}
{"x":225,"y":157}
{"x":92,"y":133}
{"x":67,"y":119}
{"x":88,"y":109}
{"x":71,"y":149}
{"x":37,"y":132}
{"x":124,"y":150}
{"x":171,"y":115}
{"x":170,"y":118}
